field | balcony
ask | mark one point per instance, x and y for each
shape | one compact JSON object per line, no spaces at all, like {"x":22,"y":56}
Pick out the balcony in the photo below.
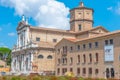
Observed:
{"x":24,"y":47}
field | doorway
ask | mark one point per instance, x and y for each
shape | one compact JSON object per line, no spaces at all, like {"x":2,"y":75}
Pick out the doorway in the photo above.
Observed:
{"x":110,"y":73}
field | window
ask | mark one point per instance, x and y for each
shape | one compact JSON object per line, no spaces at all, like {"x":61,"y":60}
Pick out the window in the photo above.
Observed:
{"x":78,"y":58}
{"x":64,"y":70}
{"x":71,"y":69}
{"x":64,"y":49}
{"x":54,"y":40}
{"x":71,"y":48}
{"x":71,"y":60}
{"x":41,"y":56}
{"x":84,"y":58}
{"x":58,"y":71}
{"x":84,"y":46}
{"x":78,"y":47}
{"x":49,"y":57}
{"x":96,"y":44}
{"x":65,"y":60}
{"x":96,"y":71}
{"x":37,"y":39}
{"x":80,"y":27}
{"x":58,"y":61}
{"x":96,"y":56}
{"x":111,"y":41}
{"x":90,"y":45}
{"x":84,"y":70}
{"x":90,"y":57}
{"x":78,"y":70}
{"x":106,"y":42}
{"x":90,"y":70}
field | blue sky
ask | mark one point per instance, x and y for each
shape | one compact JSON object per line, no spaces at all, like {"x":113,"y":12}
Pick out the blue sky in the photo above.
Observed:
{"x":106,"y":13}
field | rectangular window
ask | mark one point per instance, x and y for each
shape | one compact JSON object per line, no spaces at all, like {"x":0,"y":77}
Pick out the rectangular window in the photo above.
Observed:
{"x":90,"y":45}
{"x":54,"y":40}
{"x":58,"y":61}
{"x":106,"y":42}
{"x":96,"y":71}
{"x":84,"y":70}
{"x":78,"y":47}
{"x":78,"y":58}
{"x":64,"y":70}
{"x":84,"y":46}
{"x":96,"y":44}
{"x":111,"y":41}
{"x":90,"y":71}
{"x":37,"y":39}
{"x":58,"y":71}
{"x":71,"y":48}
{"x":80,"y":27}
{"x":78,"y":70}
{"x":71,"y":69}
{"x":71,"y":60}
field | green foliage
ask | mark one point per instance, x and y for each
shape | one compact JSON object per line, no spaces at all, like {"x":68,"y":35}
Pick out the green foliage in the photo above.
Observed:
{"x":37,"y":77}
{"x":5,"y":54}
{"x":80,"y":78}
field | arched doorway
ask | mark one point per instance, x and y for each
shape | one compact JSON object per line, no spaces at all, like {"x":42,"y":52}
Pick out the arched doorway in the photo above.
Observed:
{"x":112,"y":73}
{"x":107,"y":73}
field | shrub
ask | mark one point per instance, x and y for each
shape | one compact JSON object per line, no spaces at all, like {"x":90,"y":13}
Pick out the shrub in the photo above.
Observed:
{"x":80,"y":78}
{"x":16,"y":78}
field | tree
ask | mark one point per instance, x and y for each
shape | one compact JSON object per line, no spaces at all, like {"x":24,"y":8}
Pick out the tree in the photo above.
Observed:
{"x":5,"y":54}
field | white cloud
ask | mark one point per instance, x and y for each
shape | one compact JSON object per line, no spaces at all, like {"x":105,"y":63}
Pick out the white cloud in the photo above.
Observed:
{"x":117,"y":9}
{"x":110,"y":8}
{"x":47,"y":13}
{"x":11,"y":34}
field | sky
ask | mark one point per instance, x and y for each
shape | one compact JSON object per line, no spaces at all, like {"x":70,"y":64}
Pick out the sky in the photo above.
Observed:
{"x":52,"y":14}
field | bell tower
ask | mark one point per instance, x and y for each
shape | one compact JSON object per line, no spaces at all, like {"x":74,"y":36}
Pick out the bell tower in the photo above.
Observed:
{"x":81,"y":18}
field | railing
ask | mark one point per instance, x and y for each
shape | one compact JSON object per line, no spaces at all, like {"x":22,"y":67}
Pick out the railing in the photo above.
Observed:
{"x":24,"y":47}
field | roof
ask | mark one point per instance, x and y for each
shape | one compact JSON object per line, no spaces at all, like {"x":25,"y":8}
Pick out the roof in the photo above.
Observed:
{"x":71,"y":39}
{"x":74,"y":40}
{"x":66,"y":31}
{"x":99,"y":36}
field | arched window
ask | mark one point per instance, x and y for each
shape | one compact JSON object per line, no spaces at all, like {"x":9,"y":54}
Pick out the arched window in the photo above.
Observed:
{"x":96,"y":55}
{"x":84,"y":58}
{"x":49,"y":57}
{"x":41,"y":56}
{"x":90,"y":57}
{"x":78,"y":58}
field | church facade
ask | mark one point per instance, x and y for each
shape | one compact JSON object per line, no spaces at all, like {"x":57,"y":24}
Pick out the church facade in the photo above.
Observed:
{"x":84,"y":50}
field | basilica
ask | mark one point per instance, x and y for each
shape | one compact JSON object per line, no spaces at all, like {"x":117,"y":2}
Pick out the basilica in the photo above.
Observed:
{"x":84,"y":50}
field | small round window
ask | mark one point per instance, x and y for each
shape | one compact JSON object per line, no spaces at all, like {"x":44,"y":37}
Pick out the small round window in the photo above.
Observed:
{"x":40,"y":56}
{"x":49,"y":57}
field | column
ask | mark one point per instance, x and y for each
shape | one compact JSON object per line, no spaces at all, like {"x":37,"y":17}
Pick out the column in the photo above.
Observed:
{"x":19,"y":40}
{"x":25,"y":63}
{"x":12,"y":66}
{"x":25,"y":38}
